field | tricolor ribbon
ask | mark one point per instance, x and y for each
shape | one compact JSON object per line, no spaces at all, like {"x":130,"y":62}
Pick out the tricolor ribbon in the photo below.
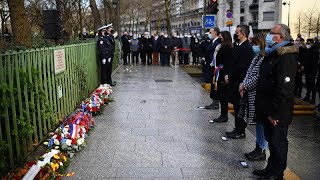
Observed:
{"x":74,"y":131}
{"x":216,"y":74}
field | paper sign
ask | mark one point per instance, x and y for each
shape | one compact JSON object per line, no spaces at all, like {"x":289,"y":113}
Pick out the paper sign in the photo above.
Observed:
{"x":33,"y":171}
{"x":47,"y":158}
{"x":59,"y":61}
{"x":59,"y":91}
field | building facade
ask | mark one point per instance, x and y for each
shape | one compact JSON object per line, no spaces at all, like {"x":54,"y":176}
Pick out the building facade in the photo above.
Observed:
{"x":261,"y":15}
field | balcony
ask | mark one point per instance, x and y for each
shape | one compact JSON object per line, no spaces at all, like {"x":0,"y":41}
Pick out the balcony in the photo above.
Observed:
{"x":254,"y":24}
{"x":254,"y":7}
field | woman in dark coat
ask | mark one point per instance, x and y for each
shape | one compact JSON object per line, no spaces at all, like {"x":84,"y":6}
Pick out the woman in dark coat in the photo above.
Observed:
{"x":223,"y":55}
{"x":195,"y":49}
{"x":249,"y":85}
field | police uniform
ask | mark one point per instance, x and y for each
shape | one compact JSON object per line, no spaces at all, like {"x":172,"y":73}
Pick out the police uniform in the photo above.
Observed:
{"x":110,"y":49}
{"x":103,"y":56}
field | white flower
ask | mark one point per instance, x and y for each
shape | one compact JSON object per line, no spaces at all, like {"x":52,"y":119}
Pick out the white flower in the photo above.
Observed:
{"x":60,"y":163}
{"x":56,"y":142}
{"x":68,"y":142}
{"x":80,"y":141}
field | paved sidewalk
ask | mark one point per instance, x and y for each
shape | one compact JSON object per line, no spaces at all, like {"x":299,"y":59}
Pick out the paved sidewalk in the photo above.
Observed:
{"x":154,"y":130}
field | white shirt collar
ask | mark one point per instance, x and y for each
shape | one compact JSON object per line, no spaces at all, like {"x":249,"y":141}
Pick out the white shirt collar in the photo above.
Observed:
{"x":239,"y":44}
{"x":215,"y":40}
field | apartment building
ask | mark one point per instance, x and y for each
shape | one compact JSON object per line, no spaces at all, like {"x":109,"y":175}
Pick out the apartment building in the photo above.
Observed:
{"x":260,"y":14}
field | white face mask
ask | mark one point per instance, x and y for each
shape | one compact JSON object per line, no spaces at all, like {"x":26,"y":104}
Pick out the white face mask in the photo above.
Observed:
{"x":308,"y":46}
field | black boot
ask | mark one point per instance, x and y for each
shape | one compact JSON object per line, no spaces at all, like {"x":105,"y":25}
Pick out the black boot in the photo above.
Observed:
{"x":252,"y":152}
{"x":260,"y":155}
{"x":221,"y":119}
{"x":262,"y":172}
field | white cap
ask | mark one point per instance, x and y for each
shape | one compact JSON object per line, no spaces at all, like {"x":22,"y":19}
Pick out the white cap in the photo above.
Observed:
{"x":102,"y":28}
{"x":109,"y":25}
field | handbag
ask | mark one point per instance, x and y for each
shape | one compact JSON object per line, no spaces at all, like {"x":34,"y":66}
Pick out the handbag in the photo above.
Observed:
{"x":243,"y":105}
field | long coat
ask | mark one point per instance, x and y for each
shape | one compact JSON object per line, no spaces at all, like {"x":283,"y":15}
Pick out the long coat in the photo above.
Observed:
{"x":186,"y":42}
{"x":250,"y":83}
{"x":275,"y":88}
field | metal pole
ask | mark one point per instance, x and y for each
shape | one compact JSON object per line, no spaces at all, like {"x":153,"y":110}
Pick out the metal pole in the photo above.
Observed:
{"x":289,"y":14}
{"x":118,"y":17}
{"x":204,"y":16}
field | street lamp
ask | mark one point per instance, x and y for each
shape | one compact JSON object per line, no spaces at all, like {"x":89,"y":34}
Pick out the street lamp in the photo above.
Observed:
{"x":116,"y":4}
{"x":288,"y":3}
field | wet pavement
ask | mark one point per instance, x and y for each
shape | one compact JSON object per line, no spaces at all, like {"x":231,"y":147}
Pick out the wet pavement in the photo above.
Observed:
{"x":154,"y":130}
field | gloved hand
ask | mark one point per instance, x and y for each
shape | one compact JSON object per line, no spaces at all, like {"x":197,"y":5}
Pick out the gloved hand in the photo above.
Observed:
{"x":211,"y":64}
{"x":104,"y":61}
{"x":109,"y":60}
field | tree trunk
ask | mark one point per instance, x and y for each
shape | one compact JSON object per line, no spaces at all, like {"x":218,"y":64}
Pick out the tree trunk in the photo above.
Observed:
{"x":95,"y":14}
{"x":168,"y":17}
{"x":19,"y":23}
{"x":80,"y":19}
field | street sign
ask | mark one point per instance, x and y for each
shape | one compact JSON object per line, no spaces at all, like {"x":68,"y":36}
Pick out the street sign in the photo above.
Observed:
{"x":210,"y":21}
{"x":229,"y":21}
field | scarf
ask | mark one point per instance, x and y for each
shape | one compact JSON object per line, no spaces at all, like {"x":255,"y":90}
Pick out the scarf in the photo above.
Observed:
{"x":272,"y":49}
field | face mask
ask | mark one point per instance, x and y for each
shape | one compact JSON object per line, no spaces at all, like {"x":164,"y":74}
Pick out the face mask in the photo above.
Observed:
{"x":112,"y":31}
{"x":269,"y":40}
{"x":210,"y":36}
{"x":308,"y":46}
{"x":256,"y":49}
{"x":220,"y":40}
{"x":165,"y":36}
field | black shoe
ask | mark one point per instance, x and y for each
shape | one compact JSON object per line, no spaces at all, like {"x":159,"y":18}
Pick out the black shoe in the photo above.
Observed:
{"x":262,"y":172}
{"x":312,"y":101}
{"x":210,"y":106}
{"x":252,"y":152}
{"x":231,"y":132}
{"x":221,"y":119}
{"x":306,"y":99}
{"x":260,"y":155}
{"x":237,"y":135}
{"x":271,"y":177}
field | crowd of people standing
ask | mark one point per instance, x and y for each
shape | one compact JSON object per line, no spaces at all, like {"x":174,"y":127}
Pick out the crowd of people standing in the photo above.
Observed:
{"x":259,"y":76}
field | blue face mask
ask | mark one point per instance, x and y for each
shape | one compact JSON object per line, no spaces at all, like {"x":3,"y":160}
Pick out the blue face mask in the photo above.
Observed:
{"x":256,"y":49}
{"x":209,"y":36}
{"x":269,"y":40}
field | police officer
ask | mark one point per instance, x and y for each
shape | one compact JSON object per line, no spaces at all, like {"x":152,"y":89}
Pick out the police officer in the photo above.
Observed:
{"x":110,"y":47}
{"x":103,"y":54}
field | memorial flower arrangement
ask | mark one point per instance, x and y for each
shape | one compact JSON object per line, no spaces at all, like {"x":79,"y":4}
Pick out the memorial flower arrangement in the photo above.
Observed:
{"x":66,"y":140}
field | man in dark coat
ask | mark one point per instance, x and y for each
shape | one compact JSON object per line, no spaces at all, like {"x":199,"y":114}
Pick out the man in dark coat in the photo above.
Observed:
{"x":235,"y":72}
{"x":209,"y":70}
{"x":176,"y":43}
{"x":125,"y":47}
{"x":275,"y":98}
{"x":110,"y":49}
{"x":309,"y":65}
{"x":166,"y":47}
{"x":103,"y":54}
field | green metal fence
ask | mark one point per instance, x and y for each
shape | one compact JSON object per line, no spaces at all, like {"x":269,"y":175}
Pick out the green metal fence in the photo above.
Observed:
{"x":31,"y":103}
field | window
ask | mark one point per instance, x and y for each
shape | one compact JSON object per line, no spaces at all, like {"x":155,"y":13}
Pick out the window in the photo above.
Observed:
{"x":241,"y":6}
{"x":255,"y":2}
{"x":268,"y":16}
{"x":241,"y":19}
{"x":269,"y":0}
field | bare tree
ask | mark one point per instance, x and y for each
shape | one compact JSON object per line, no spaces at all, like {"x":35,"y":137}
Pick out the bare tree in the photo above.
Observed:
{"x":168,"y":16}
{"x":309,"y":19}
{"x":300,"y":22}
{"x":19,"y":23}
{"x":95,"y":14}
{"x":4,"y":15}
{"x":316,"y":26}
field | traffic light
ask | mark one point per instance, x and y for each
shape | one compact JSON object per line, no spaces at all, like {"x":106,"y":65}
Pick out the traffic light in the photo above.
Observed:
{"x":213,"y":7}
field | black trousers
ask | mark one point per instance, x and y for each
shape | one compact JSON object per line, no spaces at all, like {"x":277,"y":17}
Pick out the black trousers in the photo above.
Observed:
{"x":125,"y":57}
{"x":240,"y":124}
{"x":298,"y":84}
{"x":149,"y":57}
{"x":186,"y":59}
{"x":276,"y":137}
{"x":311,"y":85}
{"x":195,"y":60}
{"x":180,"y":57}
{"x":106,"y":71}
{"x":224,"y":108}
{"x":135,"y":57}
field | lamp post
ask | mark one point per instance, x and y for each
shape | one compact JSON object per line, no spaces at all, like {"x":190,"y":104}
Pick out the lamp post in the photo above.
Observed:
{"x":116,"y":4}
{"x":287,"y":3}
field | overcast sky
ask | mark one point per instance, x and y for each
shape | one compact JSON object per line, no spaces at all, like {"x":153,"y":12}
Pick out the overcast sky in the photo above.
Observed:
{"x":296,"y":6}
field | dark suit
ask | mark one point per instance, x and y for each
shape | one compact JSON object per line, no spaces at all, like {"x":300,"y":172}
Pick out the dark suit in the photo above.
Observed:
{"x":210,"y":70}
{"x":242,"y":56}
{"x":125,"y":48}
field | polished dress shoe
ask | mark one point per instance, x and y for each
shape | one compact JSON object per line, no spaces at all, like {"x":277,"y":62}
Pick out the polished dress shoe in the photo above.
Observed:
{"x":221,"y":119}
{"x":210,"y":106}
{"x":261,"y":172}
{"x":260,"y":155}
{"x":231,"y":132}
{"x":237,"y":135}
{"x":271,"y":177}
{"x":252,"y":152}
